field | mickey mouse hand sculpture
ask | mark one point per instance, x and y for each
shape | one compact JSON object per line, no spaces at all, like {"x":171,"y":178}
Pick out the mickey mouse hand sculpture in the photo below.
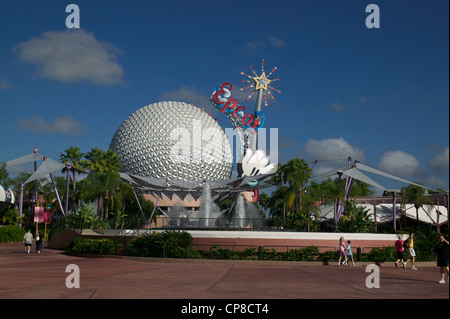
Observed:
{"x":255,"y":164}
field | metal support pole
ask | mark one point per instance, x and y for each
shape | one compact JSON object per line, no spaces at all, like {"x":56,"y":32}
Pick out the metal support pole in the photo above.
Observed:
{"x":68,"y":167}
{"x":57,"y":195}
{"x":254,"y":141}
{"x":394,"y":210}
{"x":35,"y":150}
{"x":448,"y":208}
{"x":151,"y":216}
{"x":336,"y":213}
{"x":21,"y":204}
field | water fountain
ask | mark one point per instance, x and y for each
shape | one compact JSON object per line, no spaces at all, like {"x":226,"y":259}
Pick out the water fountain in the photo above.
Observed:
{"x":209,"y":214}
{"x":209,"y":211}
{"x":239,"y":213}
{"x":245,"y":215}
{"x":178,"y":216}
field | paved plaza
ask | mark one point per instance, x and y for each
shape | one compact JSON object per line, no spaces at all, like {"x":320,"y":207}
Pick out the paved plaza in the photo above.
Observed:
{"x":23,"y":275}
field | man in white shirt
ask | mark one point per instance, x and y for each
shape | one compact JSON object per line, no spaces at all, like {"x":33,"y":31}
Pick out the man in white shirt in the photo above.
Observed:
{"x":28,"y":240}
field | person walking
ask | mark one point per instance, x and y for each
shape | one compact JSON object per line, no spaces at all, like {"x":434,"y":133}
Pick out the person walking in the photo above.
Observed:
{"x":39,"y":243}
{"x":350,"y":253}
{"x":400,"y":251}
{"x":442,"y":252}
{"x":342,"y":252}
{"x":409,"y":244}
{"x":28,"y":240}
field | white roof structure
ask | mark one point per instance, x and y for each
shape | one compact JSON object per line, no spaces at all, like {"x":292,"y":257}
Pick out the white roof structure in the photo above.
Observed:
{"x":193,"y":189}
{"x":429,"y":214}
{"x":355,"y":171}
{"x":6,"y":195}
{"x":47,"y":167}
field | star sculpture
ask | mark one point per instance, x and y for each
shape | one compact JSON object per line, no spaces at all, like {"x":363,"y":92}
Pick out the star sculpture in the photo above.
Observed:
{"x":260,"y":83}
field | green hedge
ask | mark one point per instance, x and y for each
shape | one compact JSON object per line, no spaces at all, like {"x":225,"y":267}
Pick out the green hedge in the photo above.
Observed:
{"x":169,"y":243}
{"x":91,"y":246}
{"x":11,"y":234}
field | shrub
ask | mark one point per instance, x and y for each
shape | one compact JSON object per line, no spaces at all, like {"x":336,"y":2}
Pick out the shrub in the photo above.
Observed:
{"x":174,"y":243}
{"x":329,"y":256}
{"x":145,"y":245}
{"x":384,"y":254}
{"x":173,"y":238}
{"x":309,"y":253}
{"x":11,"y":233}
{"x":90,"y":246}
{"x":179,"y":252}
{"x":218,"y":253}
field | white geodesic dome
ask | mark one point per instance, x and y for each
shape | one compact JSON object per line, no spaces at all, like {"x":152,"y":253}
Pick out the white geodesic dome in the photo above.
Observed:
{"x":174,"y":141}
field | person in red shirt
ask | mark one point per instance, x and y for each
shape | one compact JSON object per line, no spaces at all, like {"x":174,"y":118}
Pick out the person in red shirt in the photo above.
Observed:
{"x":400,"y":252}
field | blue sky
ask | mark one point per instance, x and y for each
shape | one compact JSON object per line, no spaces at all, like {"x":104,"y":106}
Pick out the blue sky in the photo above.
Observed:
{"x":378,"y":95}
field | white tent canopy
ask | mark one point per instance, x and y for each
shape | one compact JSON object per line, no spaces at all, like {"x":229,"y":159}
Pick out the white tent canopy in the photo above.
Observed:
{"x":429,"y":214}
{"x":354,"y":171}
{"x":47,"y":167}
{"x":6,"y":195}
{"x":24,"y":160}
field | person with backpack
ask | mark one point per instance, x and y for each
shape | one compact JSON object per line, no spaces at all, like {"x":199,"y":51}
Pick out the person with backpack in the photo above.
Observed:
{"x":400,"y":251}
{"x":409,"y":246}
{"x":39,"y":243}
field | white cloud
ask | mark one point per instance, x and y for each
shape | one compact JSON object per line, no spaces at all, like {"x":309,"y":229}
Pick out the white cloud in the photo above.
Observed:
{"x":269,"y":41}
{"x":338,"y":107}
{"x":4,"y":85}
{"x":440,"y":163}
{"x":59,"y":125}
{"x":332,"y":149}
{"x":275,"y":42}
{"x":399,"y":163}
{"x":72,"y":56}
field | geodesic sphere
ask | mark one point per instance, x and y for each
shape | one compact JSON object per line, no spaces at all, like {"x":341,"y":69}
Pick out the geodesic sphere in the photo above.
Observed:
{"x":174,"y":141}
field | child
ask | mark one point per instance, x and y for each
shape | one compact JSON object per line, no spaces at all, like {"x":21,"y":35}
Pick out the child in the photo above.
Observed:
{"x":349,"y":253}
{"x":342,"y":251}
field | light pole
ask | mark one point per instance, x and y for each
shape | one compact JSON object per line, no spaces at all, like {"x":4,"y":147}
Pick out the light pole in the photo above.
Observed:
{"x":260,"y":85}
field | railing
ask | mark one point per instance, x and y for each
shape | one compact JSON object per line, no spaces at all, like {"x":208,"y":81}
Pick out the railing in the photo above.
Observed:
{"x":218,"y":223}
{"x":253,"y":252}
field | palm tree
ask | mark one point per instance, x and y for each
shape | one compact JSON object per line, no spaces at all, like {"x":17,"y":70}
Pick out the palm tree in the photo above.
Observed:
{"x":110,"y":161}
{"x":355,"y":219}
{"x":278,"y":179}
{"x":263,"y":200}
{"x":296,"y":173}
{"x":416,"y":195}
{"x":73,"y":157}
{"x":4,"y":180}
{"x":104,"y":182}
{"x":102,"y":185}
{"x":98,"y":160}
{"x":277,"y":202}
{"x":92,"y":161}
{"x":306,"y":219}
